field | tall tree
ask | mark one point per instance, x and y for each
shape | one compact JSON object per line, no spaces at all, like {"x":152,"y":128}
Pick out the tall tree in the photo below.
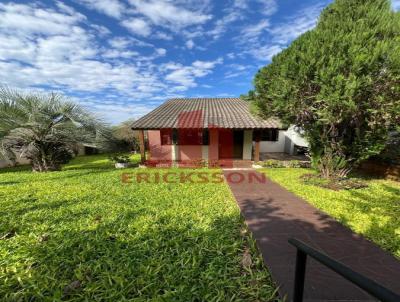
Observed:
{"x":127,"y":137}
{"x":340,"y":82}
{"x":44,"y":128}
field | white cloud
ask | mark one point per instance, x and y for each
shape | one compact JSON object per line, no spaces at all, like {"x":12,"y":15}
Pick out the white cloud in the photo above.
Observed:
{"x":186,"y":75}
{"x":161,"y":51}
{"x":296,"y":25}
{"x":237,"y":11}
{"x":115,"y":112}
{"x":269,"y":7}
{"x":30,"y":20}
{"x":252,"y":31}
{"x":58,"y":48}
{"x":68,"y":59}
{"x":100,"y":30}
{"x":65,"y":8}
{"x":14,"y":48}
{"x":112,"y":8}
{"x":116,"y":53}
{"x":137,"y":26}
{"x":189,"y":44}
{"x":162,"y":36}
{"x":396,"y":5}
{"x":165,"y":13}
{"x":120,"y":42}
{"x":265,"y":53}
{"x":264,"y":40}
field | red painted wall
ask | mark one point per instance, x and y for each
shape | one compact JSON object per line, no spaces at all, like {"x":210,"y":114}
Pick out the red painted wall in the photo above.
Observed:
{"x":158,"y":151}
{"x":213,"y":147}
{"x":190,"y":152}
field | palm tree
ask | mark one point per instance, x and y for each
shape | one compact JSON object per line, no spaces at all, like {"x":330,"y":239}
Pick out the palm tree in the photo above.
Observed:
{"x":44,"y":128}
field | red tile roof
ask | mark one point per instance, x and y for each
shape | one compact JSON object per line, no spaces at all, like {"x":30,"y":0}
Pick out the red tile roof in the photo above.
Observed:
{"x":231,"y":113}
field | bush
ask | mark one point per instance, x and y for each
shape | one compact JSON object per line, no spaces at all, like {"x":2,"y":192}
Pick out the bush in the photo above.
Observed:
{"x":335,"y":184}
{"x":293,"y":164}
{"x":274,"y":163}
{"x":119,"y":158}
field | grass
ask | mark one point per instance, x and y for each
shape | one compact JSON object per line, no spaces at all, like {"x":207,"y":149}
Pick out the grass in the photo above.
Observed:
{"x":373,"y":211}
{"x":82,"y":235}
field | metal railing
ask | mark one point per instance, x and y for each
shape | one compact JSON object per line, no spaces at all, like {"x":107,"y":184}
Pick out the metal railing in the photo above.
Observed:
{"x":370,"y":286}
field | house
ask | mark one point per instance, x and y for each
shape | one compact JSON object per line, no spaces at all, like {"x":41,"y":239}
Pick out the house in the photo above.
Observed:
{"x":210,"y":129}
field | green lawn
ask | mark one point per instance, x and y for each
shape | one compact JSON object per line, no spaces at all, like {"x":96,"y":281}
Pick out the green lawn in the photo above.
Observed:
{"x":373,"y":211}
{"x":82,"y":235}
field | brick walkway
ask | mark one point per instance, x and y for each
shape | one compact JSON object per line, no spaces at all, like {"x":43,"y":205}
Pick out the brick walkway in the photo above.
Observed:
{"x":274,"y":215}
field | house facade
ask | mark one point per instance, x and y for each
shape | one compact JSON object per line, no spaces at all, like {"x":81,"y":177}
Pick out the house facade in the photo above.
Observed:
{"x":209,"y":129}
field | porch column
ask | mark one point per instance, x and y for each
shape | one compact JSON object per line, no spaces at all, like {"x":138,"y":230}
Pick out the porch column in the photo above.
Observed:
{"x":257,"y":146}
{"x":142,"y":146}
{"x":247,"y":144}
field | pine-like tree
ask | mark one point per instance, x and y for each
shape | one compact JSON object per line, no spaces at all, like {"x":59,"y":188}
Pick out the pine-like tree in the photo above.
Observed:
{"x":340,"y":82}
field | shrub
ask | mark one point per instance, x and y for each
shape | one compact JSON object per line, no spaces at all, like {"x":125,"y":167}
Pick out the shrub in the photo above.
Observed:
{"x":45,"y":128}
{"x":335,"y":184}
{"x":119,"y":158}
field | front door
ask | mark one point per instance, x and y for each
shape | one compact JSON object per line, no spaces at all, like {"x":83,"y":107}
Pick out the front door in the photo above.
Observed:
{"x":238,"y":144}
{"x":230,"y":144}
{"x":225,"y":144}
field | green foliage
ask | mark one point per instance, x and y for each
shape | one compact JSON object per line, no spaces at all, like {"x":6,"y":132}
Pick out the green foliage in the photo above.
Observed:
{"x":274,"y":163}
{"x":119,"y":158}
{"x":80,"y":234}
{"x":372,"y":211}
{"x":391,"y":153}
{"x":126,"y":138}
{"x":45,"y":129}
{"x":334,"y":183}
{"x":339,"y":82}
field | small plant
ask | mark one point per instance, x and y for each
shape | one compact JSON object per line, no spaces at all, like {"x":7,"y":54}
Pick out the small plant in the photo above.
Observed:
{"x":272,"y":163}
{"x":335,"y":184}
{"x":293,"y":164}
{"x":120,"y":159}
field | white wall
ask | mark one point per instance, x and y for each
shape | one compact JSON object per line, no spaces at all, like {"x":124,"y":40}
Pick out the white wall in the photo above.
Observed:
{"x":20,"y":161}
{"x":278,"y":146}
{"x":296,"y":137}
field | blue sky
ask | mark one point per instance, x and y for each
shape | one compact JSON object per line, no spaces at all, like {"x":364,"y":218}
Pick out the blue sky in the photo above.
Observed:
{"x":122,"y":58}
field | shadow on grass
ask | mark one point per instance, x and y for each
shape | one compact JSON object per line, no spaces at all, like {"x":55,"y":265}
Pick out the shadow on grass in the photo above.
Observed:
{"x":274,"y":215}
{"x":384,"y":230}
{"x":113,"y":260}
{"x":22,"y":168}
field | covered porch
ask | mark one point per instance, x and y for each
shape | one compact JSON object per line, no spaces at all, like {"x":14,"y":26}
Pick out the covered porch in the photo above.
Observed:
{"x":222,"y":146}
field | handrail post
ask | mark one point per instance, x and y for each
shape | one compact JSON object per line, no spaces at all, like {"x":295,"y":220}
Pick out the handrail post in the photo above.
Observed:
{"x":299,"y":277}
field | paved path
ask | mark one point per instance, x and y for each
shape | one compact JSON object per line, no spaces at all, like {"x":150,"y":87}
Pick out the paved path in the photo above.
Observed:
{"x":274,"y":215}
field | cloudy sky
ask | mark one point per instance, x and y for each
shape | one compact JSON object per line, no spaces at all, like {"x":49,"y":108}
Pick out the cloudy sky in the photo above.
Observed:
{"x":122,"y":58}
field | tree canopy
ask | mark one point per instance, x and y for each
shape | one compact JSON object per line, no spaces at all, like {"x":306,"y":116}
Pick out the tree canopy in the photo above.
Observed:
{"x":45,"y":128}
{"x":340,"y":82}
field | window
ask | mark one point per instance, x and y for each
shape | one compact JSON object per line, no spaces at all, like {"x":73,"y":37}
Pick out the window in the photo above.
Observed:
{"x":166,"y":136}
{"x":270,"y":135}
{"x":206,"y":137}
{"x":190,"y":136}
{"x":184,"y":136}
